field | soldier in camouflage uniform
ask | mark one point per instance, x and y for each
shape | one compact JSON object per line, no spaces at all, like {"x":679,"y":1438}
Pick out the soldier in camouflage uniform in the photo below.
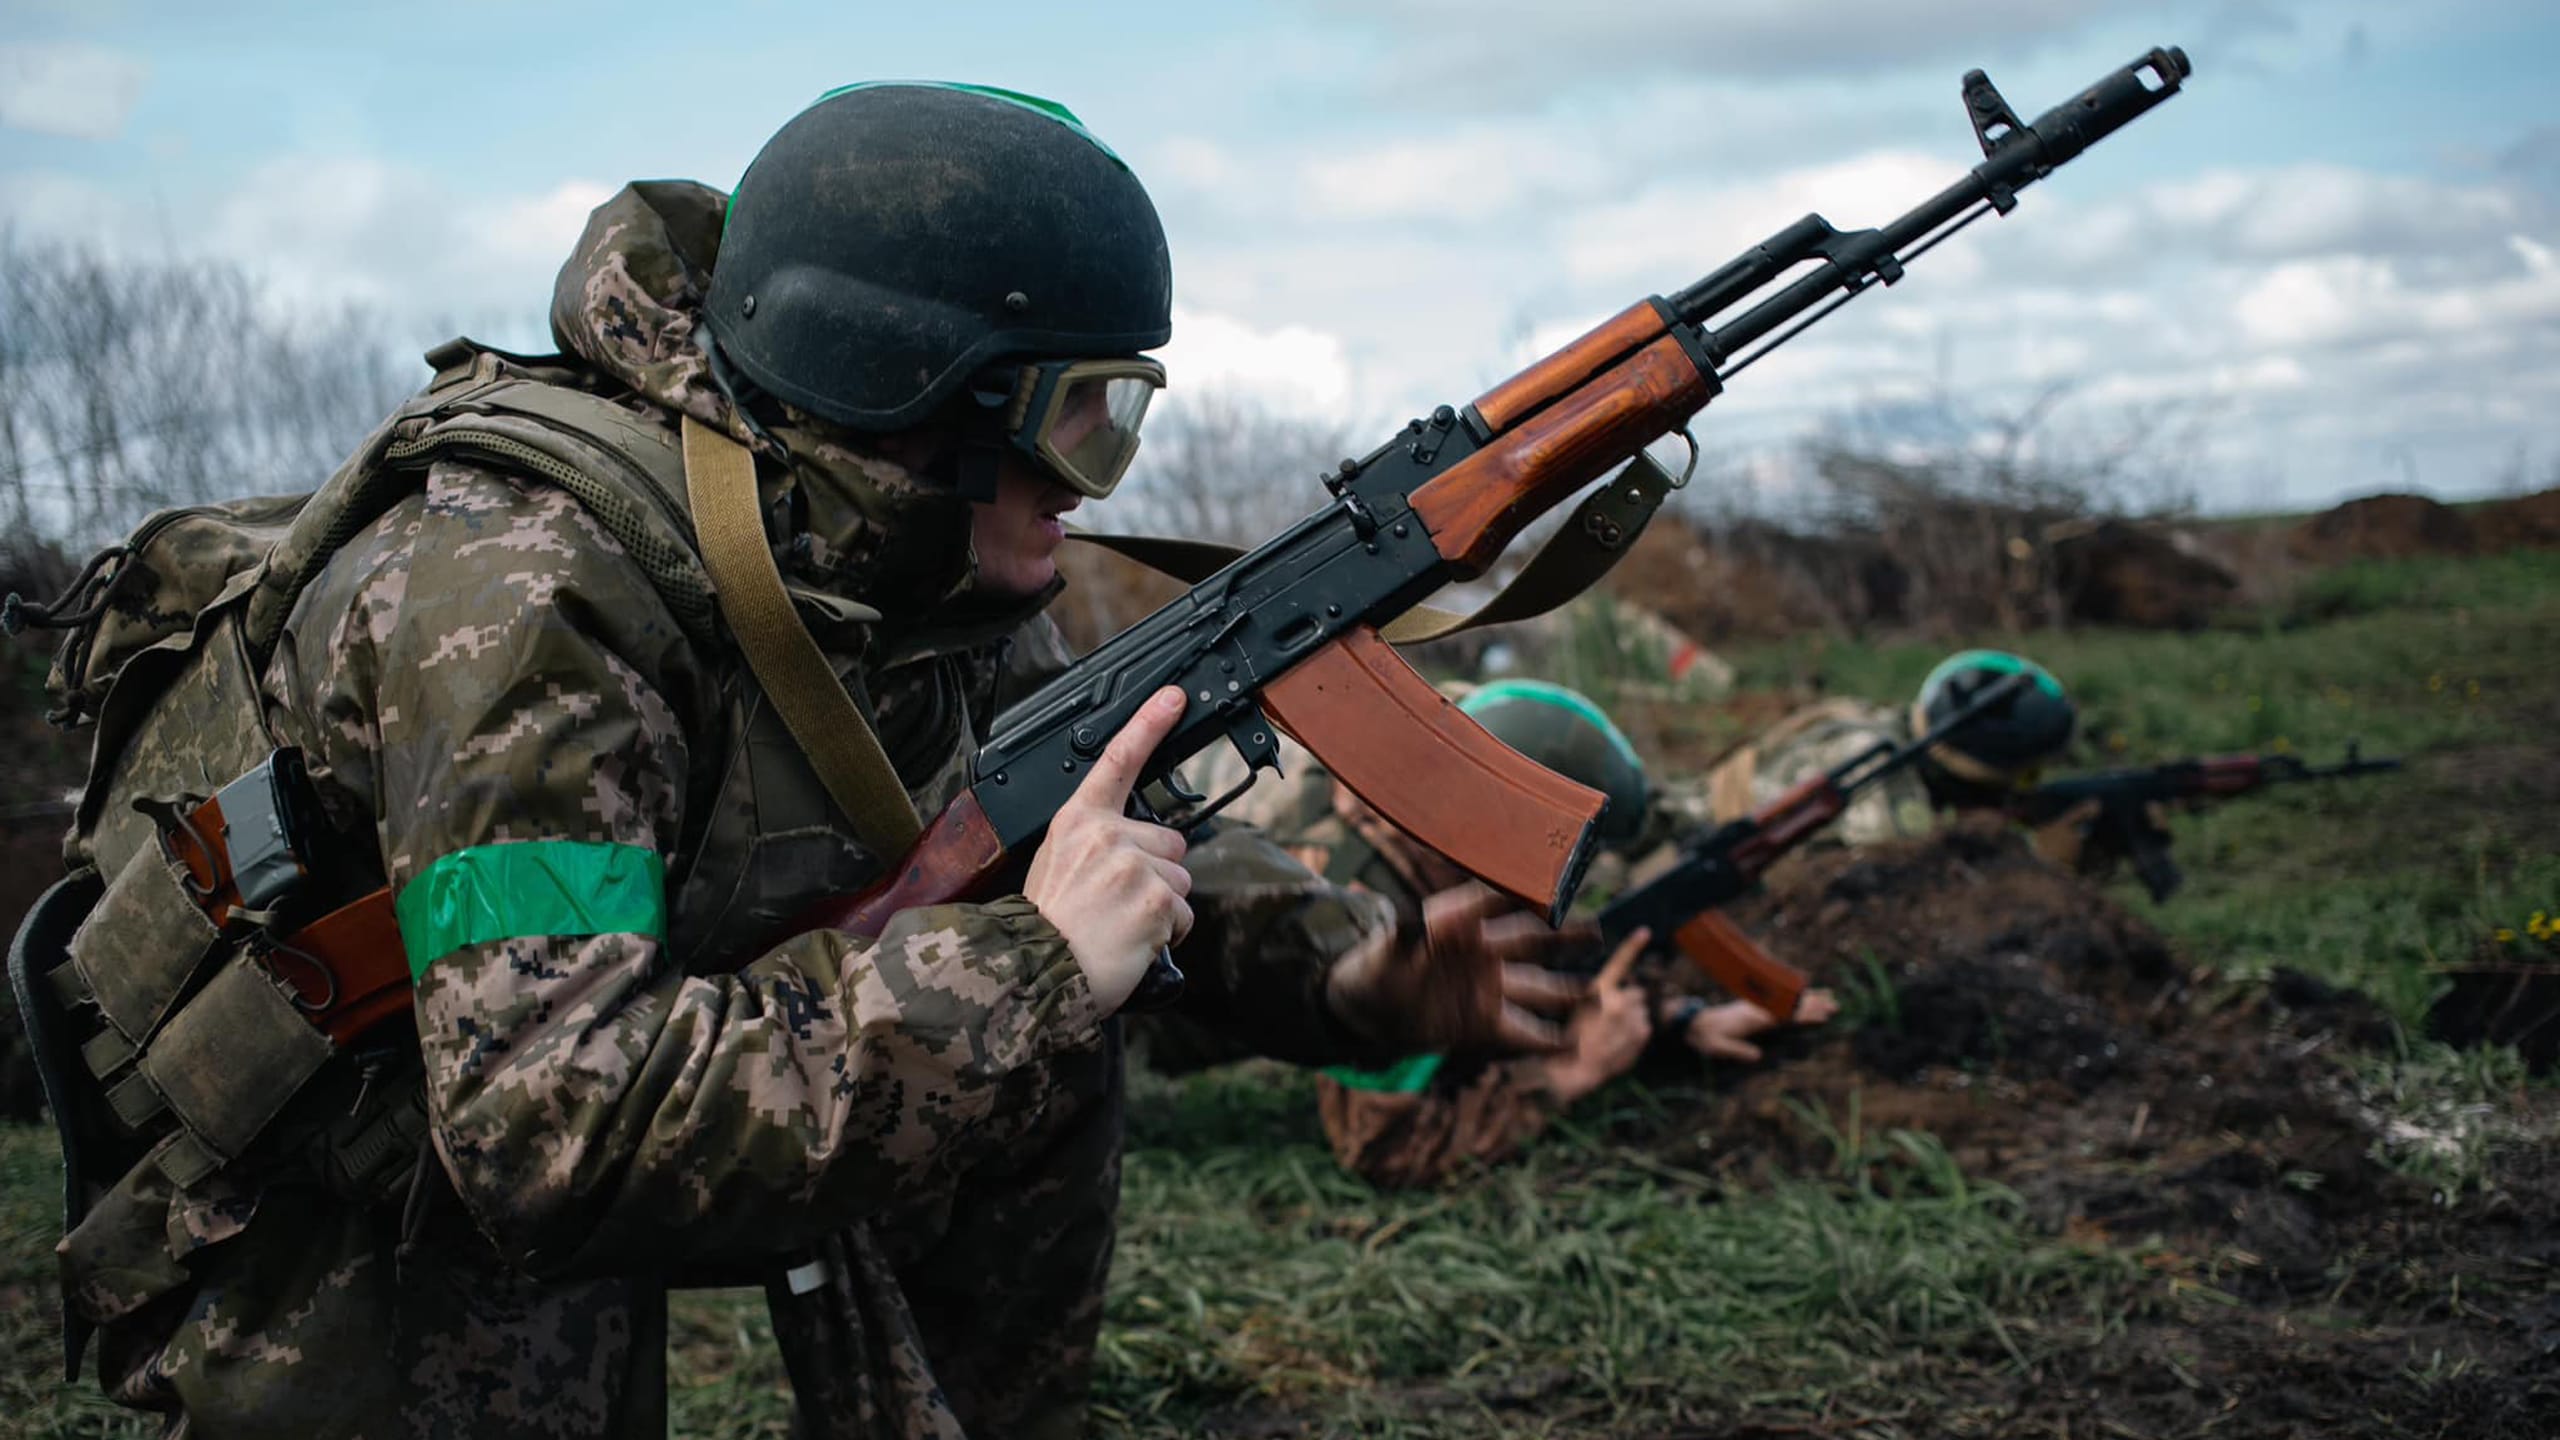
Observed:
{"x":1428,"y":1116}
{"x":1974,"y":770}
{"x":633,"y":1073}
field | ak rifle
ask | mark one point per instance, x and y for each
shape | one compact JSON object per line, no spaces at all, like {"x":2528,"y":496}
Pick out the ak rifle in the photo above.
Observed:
{"x":1680,"y":906}
{"x":1288,"y":633}
{"x":2124,"y":822}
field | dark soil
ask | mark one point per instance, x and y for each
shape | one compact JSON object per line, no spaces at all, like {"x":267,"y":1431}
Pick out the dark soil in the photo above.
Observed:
{"x":2390,"y":527}
{"x":2117,"y":573}
{"x":2384,"y":527}
{"x":2050,"y":1040}
{"x":2055,"y":1045}
{"x":2507,"y":994}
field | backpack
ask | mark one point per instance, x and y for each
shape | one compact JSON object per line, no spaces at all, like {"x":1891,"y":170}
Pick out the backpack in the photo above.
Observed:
{"x":164,"y":1027}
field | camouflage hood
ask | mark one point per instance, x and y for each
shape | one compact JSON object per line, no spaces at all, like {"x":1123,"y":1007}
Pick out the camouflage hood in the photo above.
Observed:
{"x":629,"y":301}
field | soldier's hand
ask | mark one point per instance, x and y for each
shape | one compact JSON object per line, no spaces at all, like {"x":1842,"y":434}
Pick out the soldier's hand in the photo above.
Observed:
{"x":2065,"y":841}
{"x":1468,"y":980}
{"x":1723,"y":1032}
{"x":1609,"y":1029}
{"x":1115,"y":887}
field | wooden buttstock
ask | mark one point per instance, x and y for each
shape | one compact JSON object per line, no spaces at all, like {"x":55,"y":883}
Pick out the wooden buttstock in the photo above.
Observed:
{"x":1737,"y":962}
{"x":1474,"y":508}
{"x":1607,"y":343}
{"x":1435,"y":774}
{"x":952,"y":860}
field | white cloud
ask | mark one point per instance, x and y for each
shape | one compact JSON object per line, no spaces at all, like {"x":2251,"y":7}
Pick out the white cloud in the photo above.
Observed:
{"x":2360,"y":298}
{"x":1290,"y":368}
{"x":1489,"y":51}
{"x":541,"y":228}
{"x":329,"y":230}
{"x":1468,"y":175}
{"x":1194,"y":162}
{"x":1672,"y":233}
{"x":356,"y":228}
{"x":2289,"y":212}
{"x":80,"y":92}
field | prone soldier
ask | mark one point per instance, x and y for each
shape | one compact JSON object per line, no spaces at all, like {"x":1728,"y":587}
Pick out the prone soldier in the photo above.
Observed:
{"x":1422,"y":1119}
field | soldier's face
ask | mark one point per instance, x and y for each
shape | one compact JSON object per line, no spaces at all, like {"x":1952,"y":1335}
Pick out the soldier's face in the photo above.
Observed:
{"x":1017,"y":534}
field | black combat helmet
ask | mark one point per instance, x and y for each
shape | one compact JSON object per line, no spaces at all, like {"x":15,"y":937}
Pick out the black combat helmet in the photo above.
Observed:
{"x":897,"y":241}
{"x":1564,"y":731}
{"x":2005,"y":743}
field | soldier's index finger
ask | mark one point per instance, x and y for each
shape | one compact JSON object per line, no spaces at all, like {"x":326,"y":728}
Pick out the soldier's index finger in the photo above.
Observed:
{"x":1615,"y":972}
{"x":1115,"y":770}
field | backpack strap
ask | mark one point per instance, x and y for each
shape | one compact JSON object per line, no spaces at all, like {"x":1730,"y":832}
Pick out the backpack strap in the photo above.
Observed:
{"x":720,"y":481}
{"x":624,"y":471}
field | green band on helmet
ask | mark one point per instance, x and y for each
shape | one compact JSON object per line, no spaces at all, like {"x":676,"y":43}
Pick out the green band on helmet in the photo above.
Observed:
{"x":1998,"y":662}
{"x":1540,"y":692}
{"x":1038,"y":105}
{"x":1405,"y":1077}
{"x":527,"y":888}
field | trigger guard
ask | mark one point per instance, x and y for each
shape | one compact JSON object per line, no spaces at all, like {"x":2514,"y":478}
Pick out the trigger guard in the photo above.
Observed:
{"x":1256,"y":742}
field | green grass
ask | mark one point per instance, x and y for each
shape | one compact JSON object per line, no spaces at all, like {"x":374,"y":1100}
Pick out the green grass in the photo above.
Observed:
{"x":1601,"y":1278}
{"x":34,"y":1403}
{"x":2445,"y":663}
{"x":1594,"y":1288}
{"x":2432,"y":654}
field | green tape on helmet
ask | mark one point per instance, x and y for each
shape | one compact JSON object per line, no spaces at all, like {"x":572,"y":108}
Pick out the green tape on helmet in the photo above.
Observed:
{"x":1540,"y":692}
{"x":837,"y":290}
{"x":1562,"y":730}
{"x":1035,"y":103}
{"x":1998,"y":662}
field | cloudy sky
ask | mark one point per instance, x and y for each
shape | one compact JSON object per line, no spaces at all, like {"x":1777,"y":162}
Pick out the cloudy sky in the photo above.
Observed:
{"x":2337,"y":257}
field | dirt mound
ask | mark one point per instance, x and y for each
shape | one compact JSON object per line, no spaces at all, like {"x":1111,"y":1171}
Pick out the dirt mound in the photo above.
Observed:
{"x":2054,"y":1044}
{"x":2051,"y":1041}
{"x":2527,"y":522}
{"x":2116,"y":573}
{"x":2383,"y":527}
{"x":1757,"y":582}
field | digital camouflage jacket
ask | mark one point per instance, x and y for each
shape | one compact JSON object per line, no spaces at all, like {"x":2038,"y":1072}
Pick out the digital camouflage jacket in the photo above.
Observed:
{"x":1424,"y":1117}
{"x":1814,"y":740}
{"x":633,"y":1073}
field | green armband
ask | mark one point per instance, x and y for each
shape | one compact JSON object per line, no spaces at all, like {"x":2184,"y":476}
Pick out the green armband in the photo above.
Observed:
{"x":1405,"y":1077}
{"x":531,"y":887}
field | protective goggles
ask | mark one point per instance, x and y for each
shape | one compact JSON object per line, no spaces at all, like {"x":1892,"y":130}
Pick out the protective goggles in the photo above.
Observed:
{"x":1078,"y":418}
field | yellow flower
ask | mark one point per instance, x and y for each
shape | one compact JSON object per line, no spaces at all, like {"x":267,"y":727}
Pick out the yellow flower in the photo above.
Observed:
{"x":2471,"y":688}
{"x":2506,"y":937}
{"x":2283,"y":745}
{"x":2435,"y":684}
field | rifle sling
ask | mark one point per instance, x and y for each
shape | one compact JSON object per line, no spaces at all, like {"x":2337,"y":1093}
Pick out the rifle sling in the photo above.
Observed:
{"x":840,"y":744}
{"x":1574,"y":558}
{"x":720,"y":482}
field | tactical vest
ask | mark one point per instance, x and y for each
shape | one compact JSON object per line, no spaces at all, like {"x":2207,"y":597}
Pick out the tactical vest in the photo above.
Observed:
{"x":195,"y":1013}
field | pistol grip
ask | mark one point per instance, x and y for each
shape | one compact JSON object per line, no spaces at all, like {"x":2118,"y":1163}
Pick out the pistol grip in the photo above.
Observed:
{"x":1158,"y":989}
{"x":1437,"y":775}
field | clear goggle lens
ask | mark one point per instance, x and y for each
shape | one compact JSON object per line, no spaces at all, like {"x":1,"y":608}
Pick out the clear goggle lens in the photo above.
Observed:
{"x":1080,"y":418}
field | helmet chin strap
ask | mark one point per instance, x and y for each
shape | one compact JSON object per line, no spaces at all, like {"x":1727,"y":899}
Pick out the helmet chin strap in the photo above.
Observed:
{"x":972,"y":467}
